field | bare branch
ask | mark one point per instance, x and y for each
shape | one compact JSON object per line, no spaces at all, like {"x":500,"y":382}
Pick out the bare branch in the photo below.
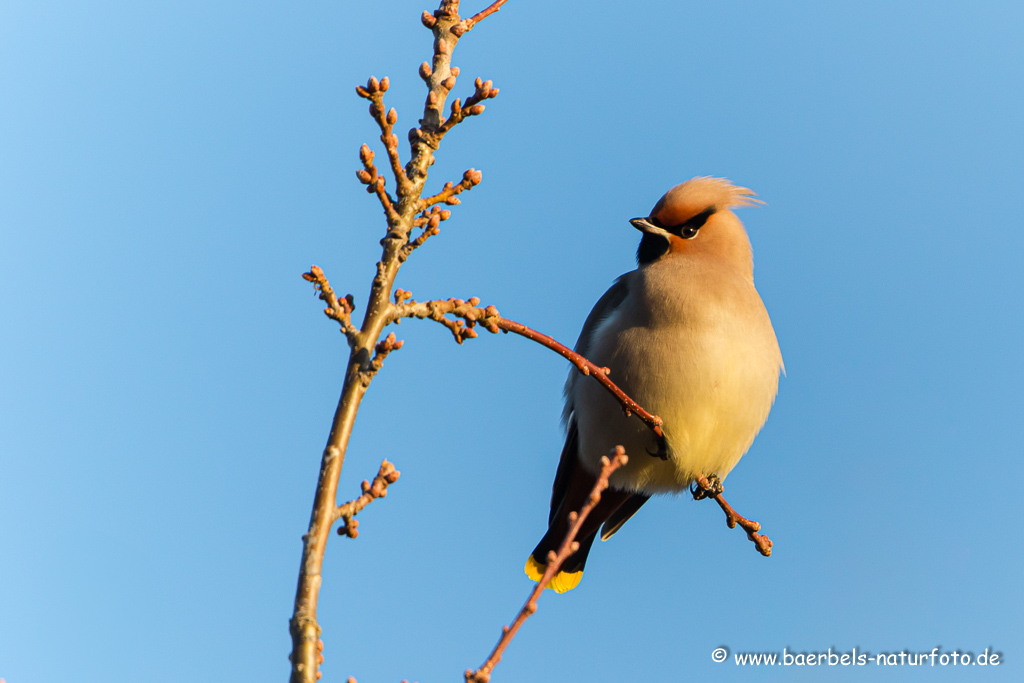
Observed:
{"x":371,"y":491}
{"x":703,"y":488}
{"x":401,"y":211}
{"x":490,"y":320}
{"x":555,"y":560}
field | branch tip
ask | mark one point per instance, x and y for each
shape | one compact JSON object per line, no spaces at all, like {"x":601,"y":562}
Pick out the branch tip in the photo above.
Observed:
{"x":337,"y":309}
{"x":386,"y":476}
{"x":554,"y":564}
{"x":713,"y":489}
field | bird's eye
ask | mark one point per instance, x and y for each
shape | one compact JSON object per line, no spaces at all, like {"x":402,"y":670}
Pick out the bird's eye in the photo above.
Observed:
{"x":688,"y":229}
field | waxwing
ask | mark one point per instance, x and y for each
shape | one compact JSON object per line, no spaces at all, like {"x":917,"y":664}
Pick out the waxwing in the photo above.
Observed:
{"x":687,"y":336}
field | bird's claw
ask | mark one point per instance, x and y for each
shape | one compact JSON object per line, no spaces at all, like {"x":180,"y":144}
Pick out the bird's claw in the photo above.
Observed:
{"x":714,"y":488}
{"x":662,"y":452}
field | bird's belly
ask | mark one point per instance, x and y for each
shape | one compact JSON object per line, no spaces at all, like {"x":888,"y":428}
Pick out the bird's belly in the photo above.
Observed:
{"x":712,"y":388}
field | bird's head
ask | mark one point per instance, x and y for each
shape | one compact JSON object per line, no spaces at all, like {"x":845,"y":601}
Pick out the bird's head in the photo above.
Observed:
{"x":695,"y":219}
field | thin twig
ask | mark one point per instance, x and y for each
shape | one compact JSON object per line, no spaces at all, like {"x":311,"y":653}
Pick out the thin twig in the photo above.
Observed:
{"x":490,"y":320}
{"x":708,"y":490}
{"x":337,"y":309}
{"x":375,"y":183}
{"x":371,"y":491}
{"x":381,"y":352}
{"x":460,"y":110}
{"x":555,"y":560}
{"x":467,"y":24}
{"x":470,"y":179}
{"x":374,"y":91}
{"x":429,"y":220}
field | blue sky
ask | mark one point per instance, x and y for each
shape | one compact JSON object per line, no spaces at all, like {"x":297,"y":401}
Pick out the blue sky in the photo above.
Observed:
{"x":168,"y":170}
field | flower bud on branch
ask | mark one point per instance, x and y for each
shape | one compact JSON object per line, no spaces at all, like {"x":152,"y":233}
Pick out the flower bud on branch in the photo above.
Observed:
{"x":378,"y":489}
{"x":485,"y":90}
{"x":386,"y":120}
{"x":381,"y":351}
{"x":337,"y":309}
{"x":429,"y":220}
{"x":470,"y":179}
{"x":375,"y":183}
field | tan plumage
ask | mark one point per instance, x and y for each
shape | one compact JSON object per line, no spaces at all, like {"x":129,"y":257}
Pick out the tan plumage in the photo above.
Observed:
{"x":687,"y":336}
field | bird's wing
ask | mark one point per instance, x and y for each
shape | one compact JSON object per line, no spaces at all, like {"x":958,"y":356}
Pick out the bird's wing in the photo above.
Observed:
{"x":622,"y":515}
{"x":604,"y":307}
{"x":563,"y":475}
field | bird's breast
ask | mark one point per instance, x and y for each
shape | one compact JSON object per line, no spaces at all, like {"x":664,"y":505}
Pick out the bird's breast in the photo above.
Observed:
{"x":697,"y":349}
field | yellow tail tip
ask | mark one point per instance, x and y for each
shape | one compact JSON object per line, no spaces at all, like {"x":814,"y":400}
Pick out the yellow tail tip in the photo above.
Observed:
{"x":562,"y":582}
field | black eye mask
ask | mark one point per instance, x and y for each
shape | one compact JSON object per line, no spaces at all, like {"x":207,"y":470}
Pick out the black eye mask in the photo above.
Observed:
{"x":653,"y":246}
{"x":688,"y":228}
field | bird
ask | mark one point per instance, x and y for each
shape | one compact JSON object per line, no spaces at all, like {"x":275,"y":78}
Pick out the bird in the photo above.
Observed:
{"x":687,"y":336}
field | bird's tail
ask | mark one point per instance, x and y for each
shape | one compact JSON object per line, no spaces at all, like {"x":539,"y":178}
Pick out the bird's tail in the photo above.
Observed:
{"x":573,"y":485}
{"x":571,"y":571}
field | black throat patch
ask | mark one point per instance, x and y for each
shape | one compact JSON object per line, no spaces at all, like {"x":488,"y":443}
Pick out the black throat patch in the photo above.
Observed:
{"x":651,"y":248}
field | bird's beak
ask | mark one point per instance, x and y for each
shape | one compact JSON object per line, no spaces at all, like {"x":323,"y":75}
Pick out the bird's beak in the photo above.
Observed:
{"x":644,"y":225}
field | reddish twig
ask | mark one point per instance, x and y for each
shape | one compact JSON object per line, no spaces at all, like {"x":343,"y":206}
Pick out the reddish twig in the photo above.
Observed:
{"x":467,"y":24}
{"x":490,"y":320}
{"x":555,"y":560}
{"x":371,"y":491}
{"x":708,"y":490}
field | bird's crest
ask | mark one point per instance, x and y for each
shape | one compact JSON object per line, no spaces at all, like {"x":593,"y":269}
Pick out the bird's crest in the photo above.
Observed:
{"x":697,"y":194}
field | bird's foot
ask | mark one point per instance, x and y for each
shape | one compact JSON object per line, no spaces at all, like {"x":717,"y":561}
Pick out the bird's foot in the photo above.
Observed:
{"x":714,"y":488}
